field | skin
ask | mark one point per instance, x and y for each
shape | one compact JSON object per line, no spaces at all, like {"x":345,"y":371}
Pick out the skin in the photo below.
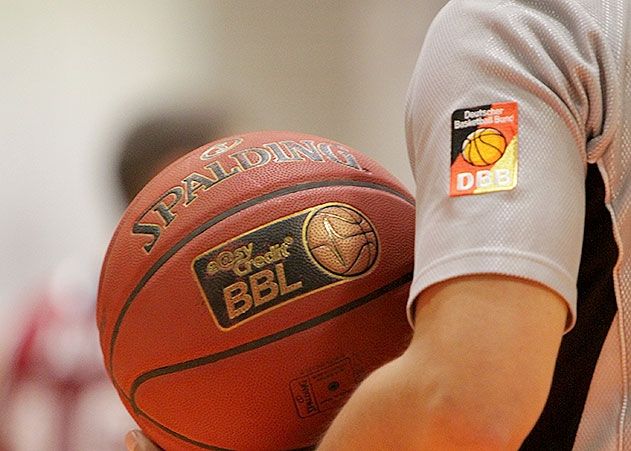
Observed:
{"x":136,"y":441}
{"x":475,"y":376}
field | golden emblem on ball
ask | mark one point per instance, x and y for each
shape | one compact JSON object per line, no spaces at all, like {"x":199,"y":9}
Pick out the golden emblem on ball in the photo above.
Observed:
{"x":341,"y":240}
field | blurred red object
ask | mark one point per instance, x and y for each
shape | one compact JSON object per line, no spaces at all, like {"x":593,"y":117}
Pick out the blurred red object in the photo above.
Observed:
{"x":57,"y":395}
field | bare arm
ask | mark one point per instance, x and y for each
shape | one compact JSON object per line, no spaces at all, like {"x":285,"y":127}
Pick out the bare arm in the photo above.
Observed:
{"x":476,"y":375}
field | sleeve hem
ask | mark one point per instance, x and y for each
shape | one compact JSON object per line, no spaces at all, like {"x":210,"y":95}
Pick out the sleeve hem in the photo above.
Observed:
{"x":492,"y":261}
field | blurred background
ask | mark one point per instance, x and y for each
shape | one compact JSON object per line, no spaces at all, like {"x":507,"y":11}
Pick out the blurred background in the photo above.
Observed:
{"x":87,"y":86}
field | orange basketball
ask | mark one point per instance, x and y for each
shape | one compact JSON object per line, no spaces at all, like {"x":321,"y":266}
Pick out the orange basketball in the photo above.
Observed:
{"x":251,"y":286}
{"x":483,"y":147}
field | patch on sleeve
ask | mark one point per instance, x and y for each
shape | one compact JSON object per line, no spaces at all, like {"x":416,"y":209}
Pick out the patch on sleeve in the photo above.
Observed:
{"x":484,"y":149}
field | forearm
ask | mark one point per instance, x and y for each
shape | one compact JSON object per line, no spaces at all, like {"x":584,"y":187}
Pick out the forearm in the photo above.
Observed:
{"x":476,"y":375}
{"x":370,"y":419}
{"x":397,"y":408}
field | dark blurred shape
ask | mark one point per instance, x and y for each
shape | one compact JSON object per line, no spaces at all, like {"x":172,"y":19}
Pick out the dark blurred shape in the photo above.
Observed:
{"x":157,"y":141}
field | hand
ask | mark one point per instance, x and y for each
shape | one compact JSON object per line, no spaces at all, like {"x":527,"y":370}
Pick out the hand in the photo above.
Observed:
{"x":136,"y":441}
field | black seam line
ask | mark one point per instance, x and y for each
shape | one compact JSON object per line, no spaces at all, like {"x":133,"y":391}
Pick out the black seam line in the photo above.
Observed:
{"x":263,"y":341}
{"x":242,"y":206}
{"x":359,"y":254}
{"x":212,"y":358}
{"x":345,"y":237}
{"x":183,"y":437}
{"x":202,"y":444}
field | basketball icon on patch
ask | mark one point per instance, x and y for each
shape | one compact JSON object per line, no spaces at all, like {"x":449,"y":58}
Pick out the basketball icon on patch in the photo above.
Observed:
{"x":484,"y":149}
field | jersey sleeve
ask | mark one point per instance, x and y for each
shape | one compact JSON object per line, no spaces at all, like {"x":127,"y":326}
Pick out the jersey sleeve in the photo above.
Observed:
{"x":505,"y":109}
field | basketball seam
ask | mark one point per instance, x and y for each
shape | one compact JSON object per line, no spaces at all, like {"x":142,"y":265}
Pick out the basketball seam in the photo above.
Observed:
{"x":477,"y":149}
{"x":341,"y":218}
{"x":363,"y":232}
{"x":220,"y":217}
{"x":490,"y":144}
{"x":333,"y":246}
{"x":368,"y":245}
{"x":250,"y":346}
{"x":499,"y":151}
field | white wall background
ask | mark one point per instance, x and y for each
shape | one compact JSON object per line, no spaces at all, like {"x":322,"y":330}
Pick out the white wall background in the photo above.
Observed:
{"x":75,"y":73}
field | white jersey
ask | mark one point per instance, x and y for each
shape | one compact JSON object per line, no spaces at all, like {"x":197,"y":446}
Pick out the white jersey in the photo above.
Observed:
{"x":519,"y":133}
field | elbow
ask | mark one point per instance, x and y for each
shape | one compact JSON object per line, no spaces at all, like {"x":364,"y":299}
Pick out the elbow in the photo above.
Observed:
{"x":478,"y":421}
{"x":457,"y":428}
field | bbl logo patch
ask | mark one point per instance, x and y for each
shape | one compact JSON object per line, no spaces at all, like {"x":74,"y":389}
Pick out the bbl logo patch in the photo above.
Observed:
{"x":341,"y":240}
{"x":484,"y":149}
{"x":284,"y":260}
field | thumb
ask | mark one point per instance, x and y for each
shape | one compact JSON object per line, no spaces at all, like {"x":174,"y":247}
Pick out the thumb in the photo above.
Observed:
{"x":136,"y":441}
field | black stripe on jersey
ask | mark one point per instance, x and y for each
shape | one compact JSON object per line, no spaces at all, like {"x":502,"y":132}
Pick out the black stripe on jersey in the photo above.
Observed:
{"x":580,"y":348}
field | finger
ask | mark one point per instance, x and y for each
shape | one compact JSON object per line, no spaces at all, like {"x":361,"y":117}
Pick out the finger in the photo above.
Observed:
{"x":136,"y":441}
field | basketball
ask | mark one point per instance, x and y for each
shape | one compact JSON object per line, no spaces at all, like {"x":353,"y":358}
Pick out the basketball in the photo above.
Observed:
{"x":483,"y":147}
{"x":341,"y":240}
{"x":251,"y":286}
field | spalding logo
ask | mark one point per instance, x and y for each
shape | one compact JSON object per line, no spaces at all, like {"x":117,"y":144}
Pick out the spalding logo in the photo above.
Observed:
{"x":219,"y":148}
{"x":221,"y":167}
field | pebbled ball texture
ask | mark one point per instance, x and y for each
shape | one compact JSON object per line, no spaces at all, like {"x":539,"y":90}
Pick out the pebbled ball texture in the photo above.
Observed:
{"x":251,"y":286}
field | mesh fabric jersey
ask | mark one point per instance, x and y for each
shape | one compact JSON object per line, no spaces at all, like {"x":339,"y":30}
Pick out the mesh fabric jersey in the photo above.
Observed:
{"x":566,"y":222}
